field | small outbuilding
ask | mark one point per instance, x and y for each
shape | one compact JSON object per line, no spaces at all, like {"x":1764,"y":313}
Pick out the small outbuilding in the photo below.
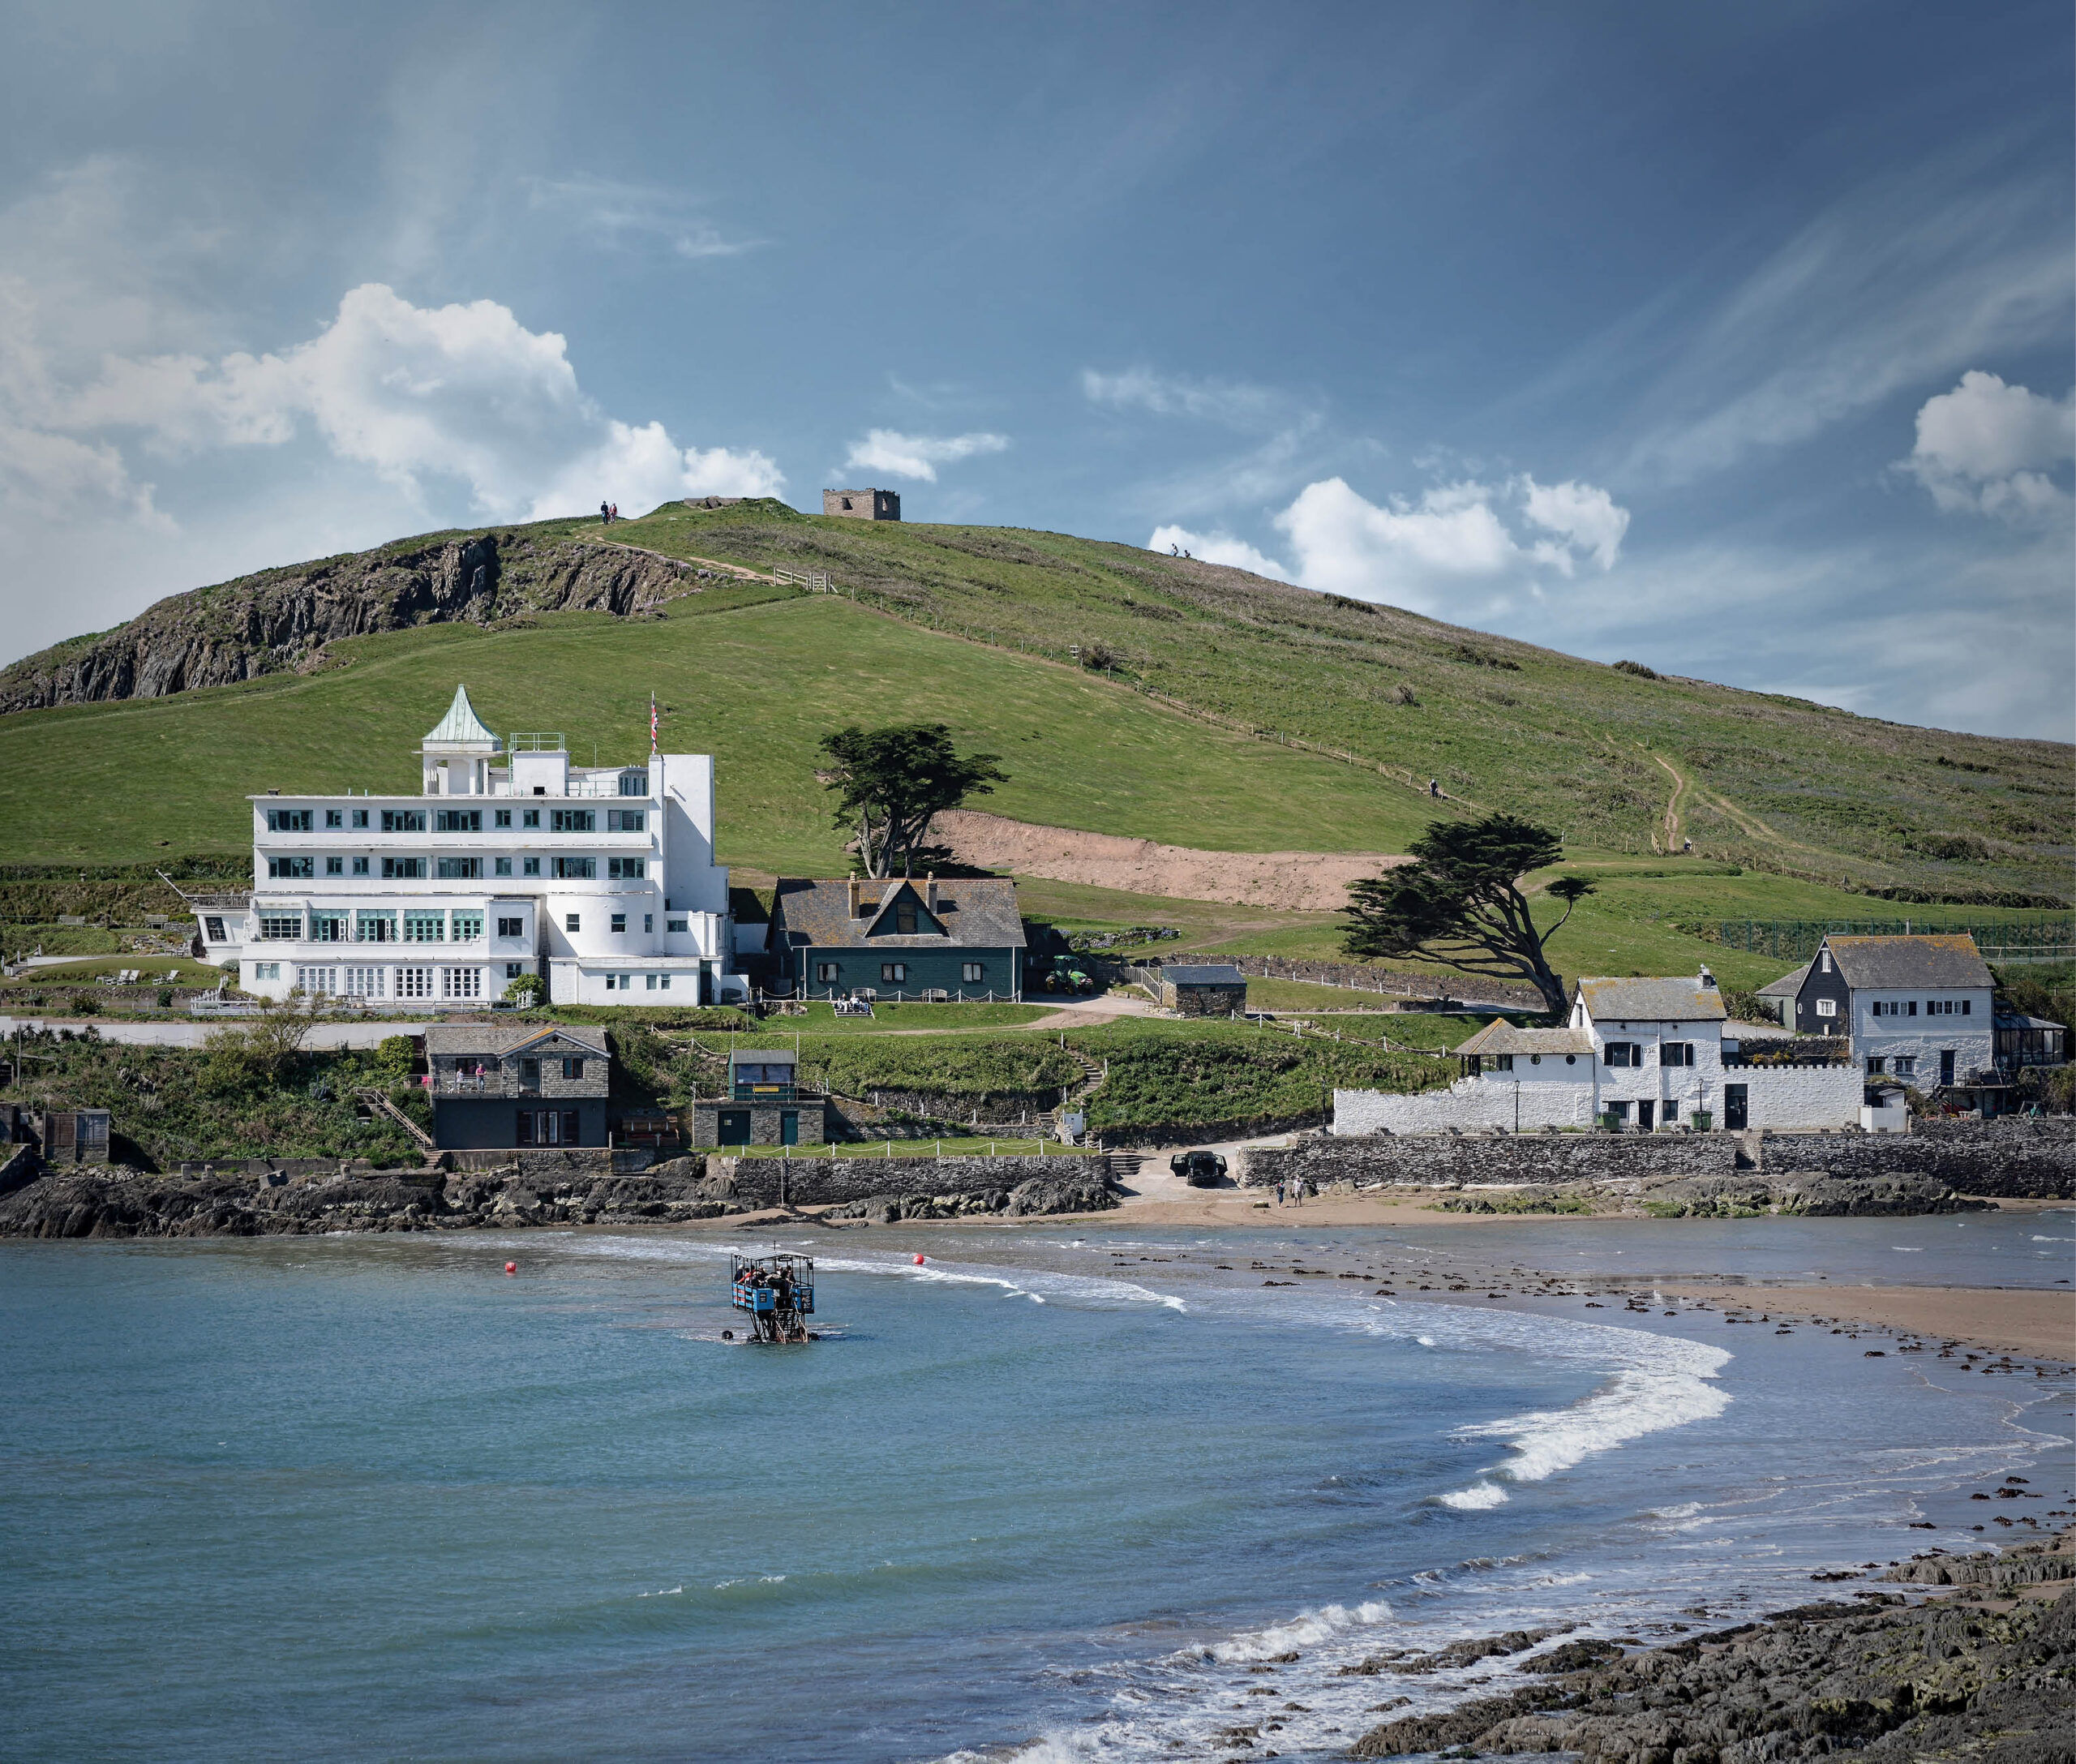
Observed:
{"x":74,"y":1135}
{"x":1203,"y":988}
{"x":764,"y":1105}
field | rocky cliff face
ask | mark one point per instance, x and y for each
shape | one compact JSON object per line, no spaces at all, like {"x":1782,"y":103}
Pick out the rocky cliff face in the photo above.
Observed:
{"x":280,"y":621}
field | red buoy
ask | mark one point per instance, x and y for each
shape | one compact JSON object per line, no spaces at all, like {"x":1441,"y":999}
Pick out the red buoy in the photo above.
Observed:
{"x":511,"y":1268}
{"x":919,"y":1261}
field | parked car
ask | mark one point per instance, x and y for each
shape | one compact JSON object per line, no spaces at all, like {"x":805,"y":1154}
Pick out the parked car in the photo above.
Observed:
{"x":1199,"y":1168}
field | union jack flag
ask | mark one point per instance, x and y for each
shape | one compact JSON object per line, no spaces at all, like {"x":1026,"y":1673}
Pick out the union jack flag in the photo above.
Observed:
{"x":653,"y":724}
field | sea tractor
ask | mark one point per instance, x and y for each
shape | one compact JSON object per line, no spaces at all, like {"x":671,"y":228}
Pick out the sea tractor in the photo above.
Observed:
{"x":777,"y":1291}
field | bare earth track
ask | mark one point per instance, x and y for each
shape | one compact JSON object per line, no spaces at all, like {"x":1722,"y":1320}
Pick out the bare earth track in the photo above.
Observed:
{"x":1300,"y":881}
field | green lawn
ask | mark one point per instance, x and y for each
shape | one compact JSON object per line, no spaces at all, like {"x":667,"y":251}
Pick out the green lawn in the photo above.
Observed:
{"x":892,"y":1148}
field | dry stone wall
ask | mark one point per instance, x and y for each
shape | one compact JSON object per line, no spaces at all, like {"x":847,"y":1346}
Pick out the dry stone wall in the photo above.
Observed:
{"x":2012,"y":1159}
{"x":1440,"y":1161}
{"x":814,"y":1182}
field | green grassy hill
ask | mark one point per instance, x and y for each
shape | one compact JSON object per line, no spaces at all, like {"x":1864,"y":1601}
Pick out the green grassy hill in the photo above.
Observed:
{"x":1202,"y":724}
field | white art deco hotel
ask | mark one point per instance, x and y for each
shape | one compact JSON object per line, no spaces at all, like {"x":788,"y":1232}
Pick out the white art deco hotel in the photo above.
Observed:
{"x":510,"y":861}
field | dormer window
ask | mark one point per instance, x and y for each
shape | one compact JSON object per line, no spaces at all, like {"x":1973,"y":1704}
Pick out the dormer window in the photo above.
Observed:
{"x":1827,"y":962}
{"x":904,"y":918}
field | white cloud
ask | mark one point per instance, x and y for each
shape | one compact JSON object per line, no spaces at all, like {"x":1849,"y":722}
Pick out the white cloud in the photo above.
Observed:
{"x":416,"y":393}
{"x":917,"y":456}
{"x":1987,"y":447}
{"x":1217,"y":547}
{"x":618,"y":213}
{"x":1141,"y":388}
{"x":1425,"y":553}
{"x":1584,"y":515}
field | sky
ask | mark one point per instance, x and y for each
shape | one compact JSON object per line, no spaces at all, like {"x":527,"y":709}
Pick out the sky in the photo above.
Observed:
{"x":1734,"y":341}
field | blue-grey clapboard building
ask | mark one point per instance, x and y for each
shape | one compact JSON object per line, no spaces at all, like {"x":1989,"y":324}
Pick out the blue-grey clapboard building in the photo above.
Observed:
{"x":898,"y":938}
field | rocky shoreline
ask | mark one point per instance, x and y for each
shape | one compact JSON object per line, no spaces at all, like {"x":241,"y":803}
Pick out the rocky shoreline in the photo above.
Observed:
{"x":1987,"y":1674}
{"x":80,"y":1204}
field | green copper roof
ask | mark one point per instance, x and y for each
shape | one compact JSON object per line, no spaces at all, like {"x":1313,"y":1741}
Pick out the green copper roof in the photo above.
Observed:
{"x":461,"y":724}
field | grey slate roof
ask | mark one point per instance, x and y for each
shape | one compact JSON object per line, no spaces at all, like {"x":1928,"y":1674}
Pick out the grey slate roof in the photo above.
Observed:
{"x":1788,"y":985}
{"x":495,"y":1041}
{"x":977,"y":912}
{"x":1203,"y":974}
{"x":763,"y":1056}
{"x":1653,"y":998}
{"x":1950,"y":961}
{"x":1501,"y":1036}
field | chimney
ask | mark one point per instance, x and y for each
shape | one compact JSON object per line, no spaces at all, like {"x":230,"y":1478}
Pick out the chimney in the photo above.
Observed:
{"x":853,"y":894}
{"x":930,"y":891}
{"x":1708,"y":979}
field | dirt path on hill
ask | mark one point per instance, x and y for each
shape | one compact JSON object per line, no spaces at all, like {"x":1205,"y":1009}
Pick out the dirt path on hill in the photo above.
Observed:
{"x":1673,"y":826}
{"x":1302,"y":881}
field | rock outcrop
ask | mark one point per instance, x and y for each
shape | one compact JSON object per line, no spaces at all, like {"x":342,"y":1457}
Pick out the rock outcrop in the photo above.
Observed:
{"x":1939,"y":1681}
{"x":280,"y":621}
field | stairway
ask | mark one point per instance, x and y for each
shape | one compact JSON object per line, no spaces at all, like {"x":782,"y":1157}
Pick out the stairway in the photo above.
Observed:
{"x":1122,"y":1168}
{"x":379,"y":1100}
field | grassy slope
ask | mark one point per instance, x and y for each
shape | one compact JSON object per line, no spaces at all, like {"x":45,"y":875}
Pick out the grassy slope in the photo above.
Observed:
{"x":756,"y":673}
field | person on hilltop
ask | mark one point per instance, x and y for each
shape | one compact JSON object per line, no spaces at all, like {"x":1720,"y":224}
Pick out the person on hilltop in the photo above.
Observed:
{"x":605,"y":514}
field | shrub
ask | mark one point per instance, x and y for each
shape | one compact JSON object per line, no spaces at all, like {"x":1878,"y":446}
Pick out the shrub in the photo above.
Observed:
{"x":85,"y":1004}
{"x":396,"y":1058}
{"x":1098,"y":656}
{"x":526,"y":992}
{"x":166,"y":996}
{"x":1637,"y":668}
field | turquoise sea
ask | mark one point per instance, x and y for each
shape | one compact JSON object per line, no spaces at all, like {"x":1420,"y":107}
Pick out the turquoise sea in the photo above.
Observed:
{"x":1048,"y":1494}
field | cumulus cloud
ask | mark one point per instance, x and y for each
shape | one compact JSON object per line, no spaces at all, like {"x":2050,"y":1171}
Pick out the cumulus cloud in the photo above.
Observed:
{"x":889,"y":452}
{"x":416,"y":393}
{"x":1424,"y":552}
{"x":1987,"y":447}
{"x":1218,"y":548}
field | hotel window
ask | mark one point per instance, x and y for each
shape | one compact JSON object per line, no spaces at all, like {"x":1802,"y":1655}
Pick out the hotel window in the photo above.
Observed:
{"x":458,"y":821}
{"x":634,"y":783}
{"x":529,"y":817}
{"x":413,"y":983}
{"x":895,"y":971}
{"x":513,"y":970}
{"x":407,"y":868}
{"x":327,"y":928}
{"x":466,"y":927}
{"x":501,"y":866}
{"x":361,"y":982}
{"x":627,"y":820}
{"x":335,"y":817}
{"x":213,"y":930}
{"x":317,"y":981}
{"x":360,"y":817}
{"x":276,"y":928}
{"x":572,"y":821}
{"x":289,"y":821}
{"x":266,"y":970}
{"x":571,"y":921}
{"x":972,"y":973}
{"x":511,"y":927}
{"x":291,"y":867}
{"x":374,"y":928}
{"x":403,"y":820}
{"x":620,"y":922}
{"x":651,"y":980}
{"x":425,"y":927}
{"x":678,"y":925}
{"x":626,"y":868}
{"x":501,"y":818}
{"x":335,"y":866}
{"x":531,"y":867}
{"x":360,"y":866}
{"x":648,"y":921}
{"x":460,"y":868}
{"x":460,"y":983}
{"x":825,"y":972}
{"x":577,"y":869}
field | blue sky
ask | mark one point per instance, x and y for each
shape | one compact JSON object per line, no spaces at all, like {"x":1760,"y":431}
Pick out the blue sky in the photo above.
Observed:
{"x":1737,"y":340}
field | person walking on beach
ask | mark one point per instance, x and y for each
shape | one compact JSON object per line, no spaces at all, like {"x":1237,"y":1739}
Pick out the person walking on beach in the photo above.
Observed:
{"x":1278,"y":1191}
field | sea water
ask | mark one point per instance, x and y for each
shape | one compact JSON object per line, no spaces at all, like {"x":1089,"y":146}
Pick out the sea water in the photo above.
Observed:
{"x":1049,"y":1494}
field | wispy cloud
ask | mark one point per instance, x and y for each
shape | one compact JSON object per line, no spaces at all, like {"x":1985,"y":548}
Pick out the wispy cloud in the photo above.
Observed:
{"x":622,"y":213}
{"x":917,"y":456}
{"x":1234,"y":403}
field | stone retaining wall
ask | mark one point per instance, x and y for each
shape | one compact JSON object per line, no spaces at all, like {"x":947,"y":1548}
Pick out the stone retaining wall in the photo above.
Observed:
{"x":1447,"y":1159}
{"x":2014,"y":1159}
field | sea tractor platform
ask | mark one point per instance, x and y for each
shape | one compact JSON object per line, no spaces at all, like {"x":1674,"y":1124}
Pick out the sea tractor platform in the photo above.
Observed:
{"x":777,"y":1291}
